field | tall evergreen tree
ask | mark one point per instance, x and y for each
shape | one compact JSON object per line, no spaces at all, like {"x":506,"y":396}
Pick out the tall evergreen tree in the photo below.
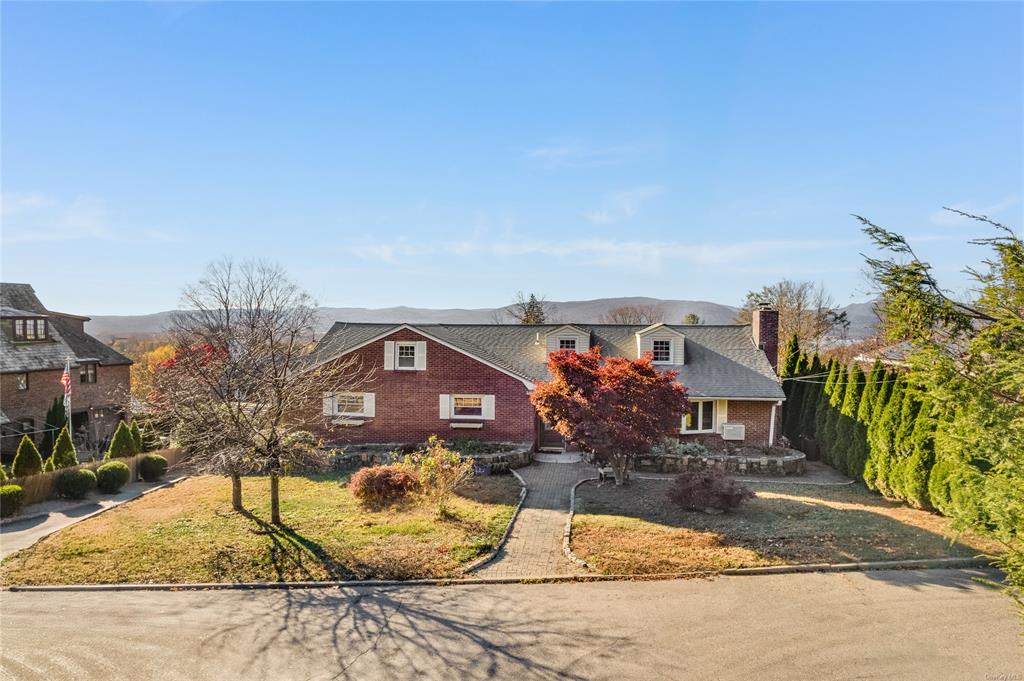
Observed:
{"x":823,"y":409}
{"x":917,"y":466}
{"x":55,"y":419}
{"x":811,"y":395}
{"x":64,"y":453}
{"x":27,"y":460}
{"x":791,"y":410}
{"x":835,"y":405}
{"x":882,"y":449}
{"x":790,"y":357}
{"x":122,"y":444}
{"x":871,"y":387}
{"x":136,"y":437}
{"x":846,"y":432}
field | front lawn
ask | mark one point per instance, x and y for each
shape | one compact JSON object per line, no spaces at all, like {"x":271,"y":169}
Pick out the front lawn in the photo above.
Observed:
{"x":188,"y":533}
{"x":635,"y":530}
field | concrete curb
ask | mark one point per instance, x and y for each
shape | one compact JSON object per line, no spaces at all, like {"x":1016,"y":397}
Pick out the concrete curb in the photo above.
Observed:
{"x":484,"y":560}
{"x":925,"y":564}
{"x":567,"y":533}
{"x":764,"y":481}
{"x":165,"y":485}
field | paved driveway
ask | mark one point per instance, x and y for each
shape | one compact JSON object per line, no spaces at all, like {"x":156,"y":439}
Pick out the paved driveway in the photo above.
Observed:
{"x":933,"y":625}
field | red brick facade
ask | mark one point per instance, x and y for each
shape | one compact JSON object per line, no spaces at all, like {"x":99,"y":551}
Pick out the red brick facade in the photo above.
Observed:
{"x":109,"y":391}
{"x":755,"y":415}
{"x":407,"y":402}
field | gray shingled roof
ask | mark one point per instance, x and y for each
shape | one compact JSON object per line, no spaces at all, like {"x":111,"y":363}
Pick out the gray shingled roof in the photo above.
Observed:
{"x":65,"y":340}
{"x":721,"y":361}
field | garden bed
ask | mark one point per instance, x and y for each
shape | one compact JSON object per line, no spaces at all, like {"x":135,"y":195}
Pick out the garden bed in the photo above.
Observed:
{"x":188,"y":533}
{"x":634,"y":529}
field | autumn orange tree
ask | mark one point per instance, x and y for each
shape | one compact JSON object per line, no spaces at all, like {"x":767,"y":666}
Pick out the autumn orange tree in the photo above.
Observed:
{"x":615,"y":407}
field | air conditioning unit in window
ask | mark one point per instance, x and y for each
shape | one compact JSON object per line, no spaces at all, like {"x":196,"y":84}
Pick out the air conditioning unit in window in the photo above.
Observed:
{"x":733,"y":431}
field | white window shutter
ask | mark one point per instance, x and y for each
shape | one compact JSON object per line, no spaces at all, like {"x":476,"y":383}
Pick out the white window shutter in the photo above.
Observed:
{"x":723,"y":414}
{"x":389,"y":355}
{"x":369,"y":404}
{"x":421,"y":355}
{"x":488,"y":407}
{"x":444,"y":410}
{"x":328,"y":404}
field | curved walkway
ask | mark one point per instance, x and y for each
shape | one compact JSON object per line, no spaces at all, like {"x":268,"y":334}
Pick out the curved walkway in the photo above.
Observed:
{"x":534,"y":548}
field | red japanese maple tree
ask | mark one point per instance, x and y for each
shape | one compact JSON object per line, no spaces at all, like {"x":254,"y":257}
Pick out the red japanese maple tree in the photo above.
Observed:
{"x":615,"y":407}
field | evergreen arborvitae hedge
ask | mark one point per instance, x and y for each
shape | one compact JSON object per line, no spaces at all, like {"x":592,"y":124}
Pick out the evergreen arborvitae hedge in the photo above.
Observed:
{"x":64,"y":453}
{"x":833,"y":447}
{"x":846,"y":421}
{"x":27,"y":460}
{"x":55,"y":418}
{"x":882,"y":447}
{"x":122,"y":444}
{"x":791,"y":410}
{"x":872,"y":386}
{"x":137,"y":437}
{"x":823,"y":410}
{"x":811,"y":395}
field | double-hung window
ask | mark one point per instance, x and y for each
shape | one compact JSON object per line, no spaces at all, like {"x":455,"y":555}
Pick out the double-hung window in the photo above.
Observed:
{"x":22,"y":381}
{"x":701,"y":418}
{"x":405,"y":356}
{"x":87,"y":373}
{"x":662,"y":350}
{"x":467,"y":406}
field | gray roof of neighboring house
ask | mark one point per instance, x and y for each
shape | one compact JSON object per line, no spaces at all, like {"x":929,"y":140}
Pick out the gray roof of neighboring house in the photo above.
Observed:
{"x":65,"y":341}
{"x":720,"y":361}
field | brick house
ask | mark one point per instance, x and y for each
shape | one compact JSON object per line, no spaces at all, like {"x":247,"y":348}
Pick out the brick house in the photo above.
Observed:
{"x":34,"y":346}
{"x":474,"y":380}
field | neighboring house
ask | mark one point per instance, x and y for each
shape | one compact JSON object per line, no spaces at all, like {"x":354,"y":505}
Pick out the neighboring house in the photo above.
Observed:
{"x":35,"y":343}
{"x":474,"y":380}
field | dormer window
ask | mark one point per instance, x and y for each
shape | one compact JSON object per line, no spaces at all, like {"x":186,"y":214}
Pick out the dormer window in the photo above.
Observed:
{"x":30,"y":329}
{"x":662,"y":351}
{"x":567,"y":344}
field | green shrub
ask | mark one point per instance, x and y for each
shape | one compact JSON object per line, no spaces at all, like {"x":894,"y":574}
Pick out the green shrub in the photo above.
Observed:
{"x":938,"y":486}
{"x":11,"y":499}
{"x":152,"y":467}
{"x":48,"y":466}
{"x":27,"y":460}
{"x":441,"y":471}
{"x":378,"y":485}
{"x":3,"y":472}
{"x":671,"y":446}
{"x":76,"y":483}
{"x":122,"y":444}
{"x":64,"y":453}
{"x":112,"y":476}
{"x":136,"y":437}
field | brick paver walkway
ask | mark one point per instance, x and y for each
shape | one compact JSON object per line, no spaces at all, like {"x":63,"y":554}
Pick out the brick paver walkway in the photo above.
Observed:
{"x":534,"y":548}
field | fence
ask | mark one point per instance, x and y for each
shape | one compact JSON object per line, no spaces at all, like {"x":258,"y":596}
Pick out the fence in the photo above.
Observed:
{"x":43,"y":486}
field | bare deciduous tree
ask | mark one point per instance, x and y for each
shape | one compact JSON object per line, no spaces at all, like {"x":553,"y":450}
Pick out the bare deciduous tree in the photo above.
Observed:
{"x":529,"y":309}
{"x":240,"y":391}
{"x":805,"y":309}
{"x":634,"y":314}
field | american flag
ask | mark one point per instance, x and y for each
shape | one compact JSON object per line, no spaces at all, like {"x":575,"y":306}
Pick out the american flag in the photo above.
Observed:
{"x":65,"y":380}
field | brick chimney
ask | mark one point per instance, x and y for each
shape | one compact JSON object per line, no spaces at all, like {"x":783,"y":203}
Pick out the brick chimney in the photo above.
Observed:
{"x":764,"y":328}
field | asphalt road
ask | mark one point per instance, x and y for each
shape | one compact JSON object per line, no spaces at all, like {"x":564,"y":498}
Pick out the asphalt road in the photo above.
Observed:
{"x":936,"y":624}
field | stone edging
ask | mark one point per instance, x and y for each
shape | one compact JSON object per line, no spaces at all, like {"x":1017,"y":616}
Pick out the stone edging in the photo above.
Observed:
{"x":484,"y":560}
{"x":165,"y":485}
{"x":567,"y":534}
{"x":760,"y":481}
{"x":923,"y":564}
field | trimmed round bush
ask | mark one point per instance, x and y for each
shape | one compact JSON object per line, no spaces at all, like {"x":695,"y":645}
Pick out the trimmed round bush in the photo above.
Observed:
{"x":112,"y":476}
{"x":710,"y":489}
{"x":379,"y":485}
{"x":76,"y":483}
{"x":152,"y":467}
{"x":11,"y":499}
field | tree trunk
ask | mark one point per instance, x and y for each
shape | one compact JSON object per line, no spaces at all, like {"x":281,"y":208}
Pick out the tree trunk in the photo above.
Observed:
{"x":275,"y":499}
{"x":236,"y":491}
{"x":620,"y":464}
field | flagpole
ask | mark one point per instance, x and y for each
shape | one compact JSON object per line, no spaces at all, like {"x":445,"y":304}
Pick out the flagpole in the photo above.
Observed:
{"x":67,"y":393}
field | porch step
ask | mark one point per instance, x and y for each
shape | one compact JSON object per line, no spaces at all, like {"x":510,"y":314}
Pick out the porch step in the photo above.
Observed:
{"x":552,"y":450}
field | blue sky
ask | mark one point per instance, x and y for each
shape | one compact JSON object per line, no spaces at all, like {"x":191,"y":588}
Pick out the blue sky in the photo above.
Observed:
{"x":450,"y":155}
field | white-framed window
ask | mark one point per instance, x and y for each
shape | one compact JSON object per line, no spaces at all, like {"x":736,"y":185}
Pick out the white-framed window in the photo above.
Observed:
{"x":405,"y":355}
{"x":662,"y":350}
{"x":350,"y":404}
{"x":567,"y":344}
{"x":479,"y":407}
{"x":22,"y":381}
{"x":701,"y":418}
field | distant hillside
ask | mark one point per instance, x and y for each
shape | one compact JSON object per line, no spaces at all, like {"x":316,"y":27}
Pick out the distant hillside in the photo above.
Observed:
{"x":105,"y":327}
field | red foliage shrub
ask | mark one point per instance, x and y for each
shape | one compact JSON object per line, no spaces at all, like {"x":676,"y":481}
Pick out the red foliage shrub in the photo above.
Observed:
{"x":699,"y":490}
{"x":383,"y":484}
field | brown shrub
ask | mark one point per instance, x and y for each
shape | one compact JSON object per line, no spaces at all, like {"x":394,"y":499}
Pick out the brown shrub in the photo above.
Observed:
{"x":378,"y":485}
{"x":699,"y":490}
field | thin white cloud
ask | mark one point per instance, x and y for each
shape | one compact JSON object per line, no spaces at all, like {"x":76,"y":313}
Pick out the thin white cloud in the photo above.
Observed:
{"x":601,"y":252}
{"x":38,"y":218}
{"x":577,"y":154}
{"x":947,"y":218}
{"x":623,"y":205}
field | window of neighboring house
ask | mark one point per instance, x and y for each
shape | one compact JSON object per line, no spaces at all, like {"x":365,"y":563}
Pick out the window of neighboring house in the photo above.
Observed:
{"x":29,"y":329}
{"x":27,"y":425}
{"x":350,"y":404}
{"x":701,"y":418}
{"x":662,"y":350}
{"x":22,"y":381}
{"x":567,"y":344}
{"x":406,"y":355}
{"x":87,"y":373}
{"x":467,"y":406}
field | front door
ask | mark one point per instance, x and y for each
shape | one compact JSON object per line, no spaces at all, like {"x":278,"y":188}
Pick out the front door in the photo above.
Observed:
{"x":550,"y":438}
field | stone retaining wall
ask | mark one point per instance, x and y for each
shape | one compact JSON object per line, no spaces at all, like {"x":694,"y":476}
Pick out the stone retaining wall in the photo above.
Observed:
{"x":787,"y":464}
{"x":521,"y":456}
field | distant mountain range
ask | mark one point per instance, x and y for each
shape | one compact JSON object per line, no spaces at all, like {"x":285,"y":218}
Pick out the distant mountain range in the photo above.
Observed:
{"x":105,"y":327}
